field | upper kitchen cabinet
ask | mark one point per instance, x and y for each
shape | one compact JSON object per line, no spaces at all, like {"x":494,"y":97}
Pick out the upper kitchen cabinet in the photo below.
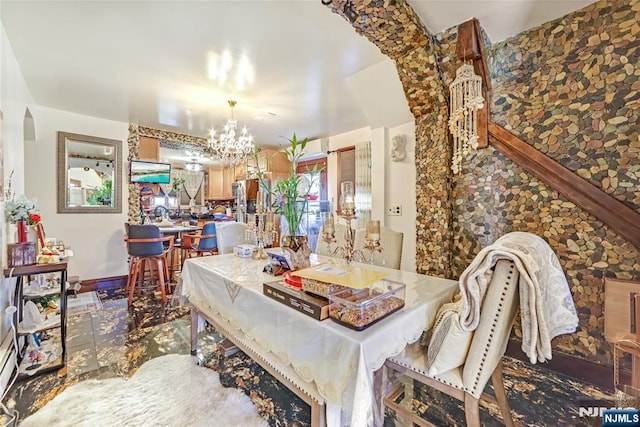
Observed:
{"x":220,"y":180}
{"x":149,"y":149}
{"x":270,"y":162}
{"x":216,"y":183}
{"x":240,"y":171}
{"x":227,"y":180}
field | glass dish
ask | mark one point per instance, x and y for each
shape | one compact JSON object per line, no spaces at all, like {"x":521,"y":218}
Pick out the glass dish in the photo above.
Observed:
{"x":360,"y":308}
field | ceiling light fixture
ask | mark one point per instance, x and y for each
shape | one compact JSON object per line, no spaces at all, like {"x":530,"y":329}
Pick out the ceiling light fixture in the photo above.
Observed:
{"x":227,"y":148}
{"x":193,"y":165}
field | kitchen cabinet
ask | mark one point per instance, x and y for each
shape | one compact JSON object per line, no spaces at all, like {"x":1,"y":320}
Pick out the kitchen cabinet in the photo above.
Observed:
{"x":277,"y":176}
{"x":270,"y":162}
{"x":227,"y":179}
{"x":149,"y":149}
{"x":216,"y":183}
{"x":42,"y":345}
{"x":240,"y":171}
{"x":220,"y":180}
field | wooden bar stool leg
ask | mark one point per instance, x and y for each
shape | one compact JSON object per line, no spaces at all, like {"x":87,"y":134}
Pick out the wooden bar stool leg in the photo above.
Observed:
{"x":168,"y":279}
{"x":134,"y":278}
{"x":165,"y":269}
{"x":160,"y":268}
{"x":132,"y":263}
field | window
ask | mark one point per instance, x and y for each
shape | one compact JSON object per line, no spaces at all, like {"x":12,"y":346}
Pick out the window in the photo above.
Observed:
{"x":319,"y":187}
{"x":346,"y":170}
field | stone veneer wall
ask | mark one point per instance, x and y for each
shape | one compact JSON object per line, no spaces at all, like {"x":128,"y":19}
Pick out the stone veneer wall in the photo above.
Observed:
{"x":569,"y":88}
{"x":398,"y":32}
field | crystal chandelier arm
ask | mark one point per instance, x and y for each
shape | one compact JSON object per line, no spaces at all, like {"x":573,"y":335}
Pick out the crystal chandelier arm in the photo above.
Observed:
{"x":227,"y":148}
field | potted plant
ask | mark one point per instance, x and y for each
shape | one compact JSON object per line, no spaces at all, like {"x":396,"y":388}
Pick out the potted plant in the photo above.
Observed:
{"x":289,"y":198}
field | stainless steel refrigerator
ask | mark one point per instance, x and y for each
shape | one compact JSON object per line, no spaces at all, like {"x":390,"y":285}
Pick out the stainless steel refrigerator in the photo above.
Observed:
{"x":246,"y":194}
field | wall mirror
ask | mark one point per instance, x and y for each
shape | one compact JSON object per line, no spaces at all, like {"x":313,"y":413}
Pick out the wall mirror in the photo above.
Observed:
{"x":89,"y":174}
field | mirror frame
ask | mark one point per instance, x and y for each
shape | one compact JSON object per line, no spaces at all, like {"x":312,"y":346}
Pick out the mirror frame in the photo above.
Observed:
{"x":63,"y":177}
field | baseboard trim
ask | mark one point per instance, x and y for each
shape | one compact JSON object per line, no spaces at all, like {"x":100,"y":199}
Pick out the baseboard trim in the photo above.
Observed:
{"x":574,"y":367}
{"x":103,"y":283}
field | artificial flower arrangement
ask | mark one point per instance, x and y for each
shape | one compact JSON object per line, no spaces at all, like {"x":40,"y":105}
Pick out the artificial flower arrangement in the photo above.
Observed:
{"x":290,"y":195}
{"x":23,"y":209}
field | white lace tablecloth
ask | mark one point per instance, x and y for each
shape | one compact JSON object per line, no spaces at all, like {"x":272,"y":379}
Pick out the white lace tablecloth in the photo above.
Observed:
{"x":340,"y":362}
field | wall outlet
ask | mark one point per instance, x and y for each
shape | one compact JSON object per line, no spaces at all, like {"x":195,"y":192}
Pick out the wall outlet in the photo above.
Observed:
{"x":394,"y":210}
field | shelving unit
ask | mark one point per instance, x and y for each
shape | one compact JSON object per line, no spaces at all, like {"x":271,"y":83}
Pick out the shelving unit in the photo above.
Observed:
{"x":51,"y":333}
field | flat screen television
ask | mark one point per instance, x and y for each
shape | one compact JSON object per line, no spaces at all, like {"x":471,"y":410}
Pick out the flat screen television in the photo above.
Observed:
{"x":150,"y":172}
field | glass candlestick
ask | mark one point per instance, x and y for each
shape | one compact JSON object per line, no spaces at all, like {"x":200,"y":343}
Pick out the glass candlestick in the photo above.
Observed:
{"x":348,"y":201}
{"x":328,"y":229}
{"x":373,"y":230}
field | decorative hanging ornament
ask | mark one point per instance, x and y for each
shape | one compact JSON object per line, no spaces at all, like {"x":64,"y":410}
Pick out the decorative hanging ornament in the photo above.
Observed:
{"x":465,"y":96}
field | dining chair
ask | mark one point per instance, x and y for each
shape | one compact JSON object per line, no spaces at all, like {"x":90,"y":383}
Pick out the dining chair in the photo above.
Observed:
{"x":230,"y":235}
{"x":447,"y":366}
{"x":146,"y":250}
{"x":391,"y":243}
{"x":198,"y":244}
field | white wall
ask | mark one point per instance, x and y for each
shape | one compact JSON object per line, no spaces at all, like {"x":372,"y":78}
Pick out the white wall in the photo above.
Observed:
{"x":96,"y":239}
{"x":400,"y":189}
{"x":14,"y":98}
{"x":392,"y":183}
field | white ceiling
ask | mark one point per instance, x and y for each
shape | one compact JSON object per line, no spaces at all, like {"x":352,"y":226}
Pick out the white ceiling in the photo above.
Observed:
{"x":145,"y":62}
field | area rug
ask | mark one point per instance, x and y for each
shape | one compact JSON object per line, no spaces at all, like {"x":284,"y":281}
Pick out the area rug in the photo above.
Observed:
{"x":167,"y":391}
{"x":83,"y":303}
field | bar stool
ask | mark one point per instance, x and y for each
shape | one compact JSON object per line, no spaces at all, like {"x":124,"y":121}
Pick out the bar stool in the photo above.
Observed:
{"x":145,"y":248}
{"x":200,"y":244}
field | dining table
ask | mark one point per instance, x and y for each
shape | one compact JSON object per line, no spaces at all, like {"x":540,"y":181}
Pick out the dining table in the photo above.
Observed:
{"x":336,"y":370}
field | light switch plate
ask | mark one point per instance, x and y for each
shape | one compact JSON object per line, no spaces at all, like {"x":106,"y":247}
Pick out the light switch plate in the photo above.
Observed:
{"x":394,"y":210}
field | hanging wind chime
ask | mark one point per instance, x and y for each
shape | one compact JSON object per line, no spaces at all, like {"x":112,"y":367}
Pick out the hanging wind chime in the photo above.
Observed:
{"x":465,"y":96}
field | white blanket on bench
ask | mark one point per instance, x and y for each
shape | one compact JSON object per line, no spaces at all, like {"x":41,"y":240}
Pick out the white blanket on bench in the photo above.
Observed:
{"x":546,"y":304}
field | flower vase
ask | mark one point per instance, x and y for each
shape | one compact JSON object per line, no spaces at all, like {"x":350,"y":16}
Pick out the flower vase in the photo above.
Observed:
{"x":32,"y":234}
{"x":22,"y":231}
{"x":295,"y":244}
{"x":298,"y":250}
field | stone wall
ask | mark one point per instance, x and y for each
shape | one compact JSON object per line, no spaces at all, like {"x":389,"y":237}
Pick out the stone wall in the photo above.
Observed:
{"x":569,"y":88}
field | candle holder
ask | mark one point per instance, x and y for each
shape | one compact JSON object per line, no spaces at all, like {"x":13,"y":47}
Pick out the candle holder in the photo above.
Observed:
{"x":348,"y":251}
{"x":372,"y":238}
{"x":263,"y":231}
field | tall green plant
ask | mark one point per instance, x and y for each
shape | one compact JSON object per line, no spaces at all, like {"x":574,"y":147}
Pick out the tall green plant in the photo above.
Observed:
{"x":288,"y":199}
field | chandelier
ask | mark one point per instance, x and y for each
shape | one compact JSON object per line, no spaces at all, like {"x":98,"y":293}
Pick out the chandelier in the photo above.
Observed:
{"x":193,"y":165}
{"x":229,"y":148}
{"x":465,"y":96}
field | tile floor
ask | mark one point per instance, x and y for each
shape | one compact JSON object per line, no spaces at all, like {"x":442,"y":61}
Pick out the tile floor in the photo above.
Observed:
{"x":116,"y":340}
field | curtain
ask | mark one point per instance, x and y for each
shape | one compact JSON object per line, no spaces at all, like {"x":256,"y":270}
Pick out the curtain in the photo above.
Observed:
{"x":192,"y":182}
{"x":363,"y":182}
{"x":166,"y":188}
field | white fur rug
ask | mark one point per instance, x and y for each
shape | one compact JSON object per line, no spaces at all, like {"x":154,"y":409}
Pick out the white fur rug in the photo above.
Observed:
{"x":167,"y":391}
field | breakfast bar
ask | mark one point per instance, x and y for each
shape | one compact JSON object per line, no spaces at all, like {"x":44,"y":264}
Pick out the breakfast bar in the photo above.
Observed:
{"x":328,"y":365}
